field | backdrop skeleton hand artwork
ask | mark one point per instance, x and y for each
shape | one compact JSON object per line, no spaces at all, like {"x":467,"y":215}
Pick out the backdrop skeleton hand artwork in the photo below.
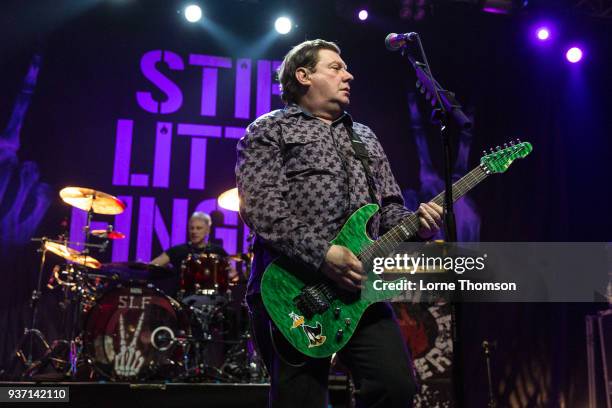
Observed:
{"x":25,"y":199}
{"x":467,"y":218}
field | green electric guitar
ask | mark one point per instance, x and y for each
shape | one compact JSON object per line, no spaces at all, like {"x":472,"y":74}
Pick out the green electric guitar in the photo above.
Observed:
{"x":317,"y":317}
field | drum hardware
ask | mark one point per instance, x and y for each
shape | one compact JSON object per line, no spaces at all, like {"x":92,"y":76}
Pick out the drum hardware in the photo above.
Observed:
{"x":62,"y":249}
{"x":67,"y":278}
{"x":32,"y":333}
{"x":94,"y":202}
{"x":243,"y":362}
{"x":91,"y":201}
{"x":108,"y":233}
{"x":125,"y":329}
{"x":208,"y":314}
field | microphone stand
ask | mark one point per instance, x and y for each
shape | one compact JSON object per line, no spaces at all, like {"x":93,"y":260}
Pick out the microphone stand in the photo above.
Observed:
{"x":448,"y":115}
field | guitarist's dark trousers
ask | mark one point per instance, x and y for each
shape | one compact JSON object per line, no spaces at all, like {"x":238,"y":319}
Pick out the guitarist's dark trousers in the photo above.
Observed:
{"x":376,"y":355}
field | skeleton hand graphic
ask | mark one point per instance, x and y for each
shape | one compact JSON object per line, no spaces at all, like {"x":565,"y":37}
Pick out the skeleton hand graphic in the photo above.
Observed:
{"x":24,"y":206}
{"x":129,"y":360}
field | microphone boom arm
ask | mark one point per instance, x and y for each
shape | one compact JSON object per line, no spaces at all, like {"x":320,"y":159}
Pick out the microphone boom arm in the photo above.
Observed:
{"x":429,"y":86}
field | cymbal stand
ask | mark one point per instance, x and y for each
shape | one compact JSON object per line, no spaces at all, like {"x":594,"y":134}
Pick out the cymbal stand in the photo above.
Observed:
{"x":76,"y":344}
{"x":31,"y":332}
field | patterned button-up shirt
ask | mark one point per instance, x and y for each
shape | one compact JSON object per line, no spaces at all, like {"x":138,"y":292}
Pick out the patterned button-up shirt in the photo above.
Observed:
{"x":299,"y":179}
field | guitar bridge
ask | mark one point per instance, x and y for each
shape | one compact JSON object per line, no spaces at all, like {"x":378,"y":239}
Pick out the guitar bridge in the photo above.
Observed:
{"x":314,"y":299}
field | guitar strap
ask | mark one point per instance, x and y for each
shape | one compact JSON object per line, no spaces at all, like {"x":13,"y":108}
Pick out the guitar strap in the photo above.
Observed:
{"x":362,"y":154}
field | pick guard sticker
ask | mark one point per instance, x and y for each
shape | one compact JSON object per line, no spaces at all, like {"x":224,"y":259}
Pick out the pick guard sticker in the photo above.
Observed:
{"x":313,"y":333}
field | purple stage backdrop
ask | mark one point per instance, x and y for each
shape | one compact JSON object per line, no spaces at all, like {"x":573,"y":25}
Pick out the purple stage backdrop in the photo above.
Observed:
{"x":178,"y":161}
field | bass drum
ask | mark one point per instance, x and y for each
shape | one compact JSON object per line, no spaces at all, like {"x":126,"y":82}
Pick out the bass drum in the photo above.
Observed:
{"x":136,"y":333}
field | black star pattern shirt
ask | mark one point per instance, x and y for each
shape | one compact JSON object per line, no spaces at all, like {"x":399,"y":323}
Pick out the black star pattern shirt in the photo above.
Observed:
{"x":299,"y":180}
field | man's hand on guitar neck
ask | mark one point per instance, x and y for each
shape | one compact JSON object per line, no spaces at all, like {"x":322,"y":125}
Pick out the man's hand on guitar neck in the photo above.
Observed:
{"x":430,"y":219}
{"x":344,"y":268}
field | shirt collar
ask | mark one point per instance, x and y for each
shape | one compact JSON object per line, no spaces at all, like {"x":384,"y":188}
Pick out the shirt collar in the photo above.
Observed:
{"x":293,"y":109}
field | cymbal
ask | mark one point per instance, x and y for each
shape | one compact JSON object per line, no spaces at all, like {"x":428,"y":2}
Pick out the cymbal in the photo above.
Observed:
{"x":89,"y":199}
{"x":229,"y":200}
{"x":102,"y":233}
{"x":240,"y":257}
{"x":72,"y":255}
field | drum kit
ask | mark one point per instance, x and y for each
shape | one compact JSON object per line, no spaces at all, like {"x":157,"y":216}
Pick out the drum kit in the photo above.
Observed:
{"x":121,"y":327}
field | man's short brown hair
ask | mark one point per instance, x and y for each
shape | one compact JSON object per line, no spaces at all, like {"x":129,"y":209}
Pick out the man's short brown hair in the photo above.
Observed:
{"x":304,"y":55}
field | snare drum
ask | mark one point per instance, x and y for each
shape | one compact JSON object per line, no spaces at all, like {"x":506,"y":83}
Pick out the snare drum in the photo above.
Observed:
{"x":204,"y":274}
{"x":134,"y":333}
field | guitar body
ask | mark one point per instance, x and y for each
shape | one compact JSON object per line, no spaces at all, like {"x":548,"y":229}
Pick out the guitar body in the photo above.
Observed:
{"x":321,"y":334}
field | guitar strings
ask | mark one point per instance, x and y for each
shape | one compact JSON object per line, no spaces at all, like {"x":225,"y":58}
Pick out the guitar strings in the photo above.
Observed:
{"x":466,"y":183}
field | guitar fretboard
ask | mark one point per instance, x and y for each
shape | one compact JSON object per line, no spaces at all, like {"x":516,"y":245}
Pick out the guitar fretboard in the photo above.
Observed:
{"x":410,"y":225}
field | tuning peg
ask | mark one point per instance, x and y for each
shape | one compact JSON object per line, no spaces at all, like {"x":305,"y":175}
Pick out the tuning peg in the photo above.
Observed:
{"x":505,"y":145}
{"x":484,"y":152}
{"x":518,"y":140}
{"x":498,"y":148}
{"x":512,"y":143}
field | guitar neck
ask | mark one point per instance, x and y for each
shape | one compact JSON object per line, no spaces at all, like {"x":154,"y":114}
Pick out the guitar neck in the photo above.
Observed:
{"x":409,"y":226}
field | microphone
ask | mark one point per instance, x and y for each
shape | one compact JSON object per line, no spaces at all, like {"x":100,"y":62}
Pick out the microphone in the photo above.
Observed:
{"x":394,"y":41}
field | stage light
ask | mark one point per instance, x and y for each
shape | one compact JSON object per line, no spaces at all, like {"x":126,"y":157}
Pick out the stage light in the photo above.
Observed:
{"x":283,"y":25}
{"x":574,"y":55}
{"x":193,"y":13}
{"x":363,"y":15}
{"x":543,"y":33}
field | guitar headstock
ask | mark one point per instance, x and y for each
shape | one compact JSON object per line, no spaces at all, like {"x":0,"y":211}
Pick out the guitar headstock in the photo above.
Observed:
{"x":498,"y":160}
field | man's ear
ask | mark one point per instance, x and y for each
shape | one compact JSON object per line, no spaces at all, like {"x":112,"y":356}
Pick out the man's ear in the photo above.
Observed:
{"x":303,"y":76}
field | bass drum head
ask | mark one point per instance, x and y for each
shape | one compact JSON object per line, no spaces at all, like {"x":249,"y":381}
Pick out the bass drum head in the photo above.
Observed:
{"x":130,"y":334}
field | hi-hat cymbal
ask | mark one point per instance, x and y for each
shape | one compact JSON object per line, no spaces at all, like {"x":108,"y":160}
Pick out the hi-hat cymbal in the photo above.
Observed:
{"x":102,"y":233}
{"x":72,"y":255}
{"x":229,"y":200}
{"x":89,"y":199}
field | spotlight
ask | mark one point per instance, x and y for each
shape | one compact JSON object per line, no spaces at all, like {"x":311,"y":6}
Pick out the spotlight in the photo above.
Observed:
{"x":543,"y":33}
{"x":283,"y":25}
{"x":363,"y":14}
{"x":574,"y":55}
{"x":193,"y":13}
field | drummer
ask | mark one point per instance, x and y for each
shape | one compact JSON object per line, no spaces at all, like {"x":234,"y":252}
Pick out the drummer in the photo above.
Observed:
{"x":199,"y":228}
